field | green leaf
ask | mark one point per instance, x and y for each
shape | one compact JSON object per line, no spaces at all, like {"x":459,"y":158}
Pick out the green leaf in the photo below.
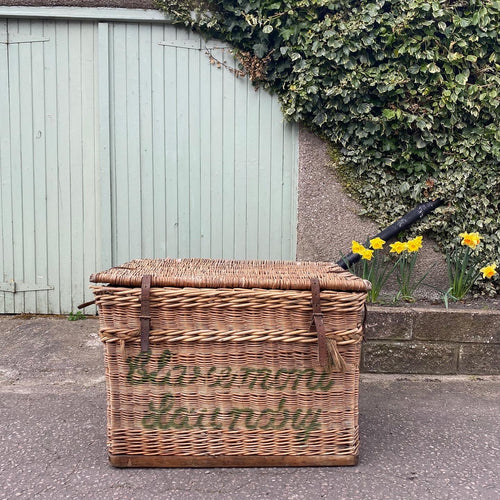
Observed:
{"x":364,"y":107}
{"x":260,"y":50}
{"x":389,"y":113}
{"x":462,"y":78}
{"x":404,"y":187}
{"x":433,"y":68}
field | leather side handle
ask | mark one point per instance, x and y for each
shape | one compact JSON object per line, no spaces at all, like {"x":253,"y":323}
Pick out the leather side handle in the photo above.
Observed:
{"x":329,"y":356}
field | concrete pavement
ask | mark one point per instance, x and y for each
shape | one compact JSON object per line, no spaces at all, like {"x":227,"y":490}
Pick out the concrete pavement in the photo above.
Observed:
{"x":421,"y":437}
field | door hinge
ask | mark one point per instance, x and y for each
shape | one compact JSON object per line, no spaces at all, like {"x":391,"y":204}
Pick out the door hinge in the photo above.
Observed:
{"x":14,"y":287}
{"x":182,"y":44}
{"x":22,"y":38}
{"x":195,"y":44}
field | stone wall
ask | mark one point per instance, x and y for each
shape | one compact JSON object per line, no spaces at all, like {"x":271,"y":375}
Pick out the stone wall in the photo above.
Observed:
{"x":431,"y":341}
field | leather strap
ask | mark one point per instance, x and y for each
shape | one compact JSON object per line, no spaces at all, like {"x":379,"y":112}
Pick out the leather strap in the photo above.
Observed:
{"x":318,"y":323}
{"x":145,"y":316}
{"x":329,"y":356}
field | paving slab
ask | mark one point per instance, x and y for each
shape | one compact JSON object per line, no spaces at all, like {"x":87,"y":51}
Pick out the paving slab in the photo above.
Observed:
{"x":421,"y":437}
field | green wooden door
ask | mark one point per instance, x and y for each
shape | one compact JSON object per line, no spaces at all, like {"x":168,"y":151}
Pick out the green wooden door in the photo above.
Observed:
{"x":122,"y":140}
{"x":49,"y":214}
{"x":202,"y":164}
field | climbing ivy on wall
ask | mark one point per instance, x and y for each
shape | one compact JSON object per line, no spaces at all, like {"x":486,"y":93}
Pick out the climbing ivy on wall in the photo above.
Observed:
{"x":406,"y":91}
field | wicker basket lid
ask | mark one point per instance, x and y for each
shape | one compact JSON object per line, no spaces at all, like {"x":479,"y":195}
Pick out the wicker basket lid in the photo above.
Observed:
{"x":209,"y":273}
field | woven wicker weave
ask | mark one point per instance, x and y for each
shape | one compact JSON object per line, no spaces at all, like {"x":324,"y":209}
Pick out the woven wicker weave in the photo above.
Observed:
{"x":232,"y":374}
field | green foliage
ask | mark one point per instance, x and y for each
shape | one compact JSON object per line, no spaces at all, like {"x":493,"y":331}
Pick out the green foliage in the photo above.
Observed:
{"x":406,"y":90}
{"x":76,"y":316}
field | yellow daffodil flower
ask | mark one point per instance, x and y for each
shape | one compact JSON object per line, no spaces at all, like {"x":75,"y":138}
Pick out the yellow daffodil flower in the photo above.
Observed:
{"x":398,"y":247}
{"x":367,"y":254}
{"x":377,"y":243}
{"x":357,"y":248}
{"x":472,"y":240}
{"x":415,"y":244}
{"x":489,"y":271}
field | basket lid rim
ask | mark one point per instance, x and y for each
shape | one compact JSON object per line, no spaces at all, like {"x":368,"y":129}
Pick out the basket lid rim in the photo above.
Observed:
{"x":224,"y":273}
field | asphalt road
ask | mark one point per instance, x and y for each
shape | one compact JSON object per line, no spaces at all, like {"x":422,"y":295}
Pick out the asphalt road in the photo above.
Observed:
{"x":421,"y":437}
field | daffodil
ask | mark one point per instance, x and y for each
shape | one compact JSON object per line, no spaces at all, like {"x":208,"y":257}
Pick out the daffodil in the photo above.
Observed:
{"x":408,"y":253}
{"x":377,"y":243}
{"x":415,"y":244}
{"x":357,"y":247}
{"x":471,"y":240}
{"x":463,"y":265}
{"x":367,"y":254}
{"x":374,"y":267}
{"x":398,"y":247}
{"x":489,"y":271}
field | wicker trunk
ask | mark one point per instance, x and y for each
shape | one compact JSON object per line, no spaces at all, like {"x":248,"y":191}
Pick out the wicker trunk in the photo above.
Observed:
{"x":231,"y":363}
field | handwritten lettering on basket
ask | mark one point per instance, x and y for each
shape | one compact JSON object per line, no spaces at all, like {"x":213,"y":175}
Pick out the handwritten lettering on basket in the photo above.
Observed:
{"x":224,"y":377}
{"x":165,"y":415}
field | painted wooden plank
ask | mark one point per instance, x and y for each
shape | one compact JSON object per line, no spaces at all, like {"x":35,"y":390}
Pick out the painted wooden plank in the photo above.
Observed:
{"x":183,"y":143}
{"x":193,"y":144}
{"x":52,"y":228}
{"x":228,"y":198}
{"x":64,"y":160}
{"x":16,"y":166}
{"x":119,"y":159}
{"x":216,"y":126}
{"x":240,"y":167}
{"x":90,"y":155}
{"x":76,"y":160}
{"x":290,"y":190}
{"x":252,"y":171}
{"x":39,"y":165}
{"x":28,"y":103}
{"x":133,"y":140}
{"x":158,"y":142}
{"x":104,"y":240}
{"x":6,"y":215}
{"x":146,"y":141}
{"x":276,"y":180}
{"x":170,"y":117}
{"x":205,"y":195}
{"x":265,"y":146}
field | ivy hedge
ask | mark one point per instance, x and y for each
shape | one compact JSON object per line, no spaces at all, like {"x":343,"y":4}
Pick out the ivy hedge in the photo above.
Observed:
{"x":406,"y":91}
